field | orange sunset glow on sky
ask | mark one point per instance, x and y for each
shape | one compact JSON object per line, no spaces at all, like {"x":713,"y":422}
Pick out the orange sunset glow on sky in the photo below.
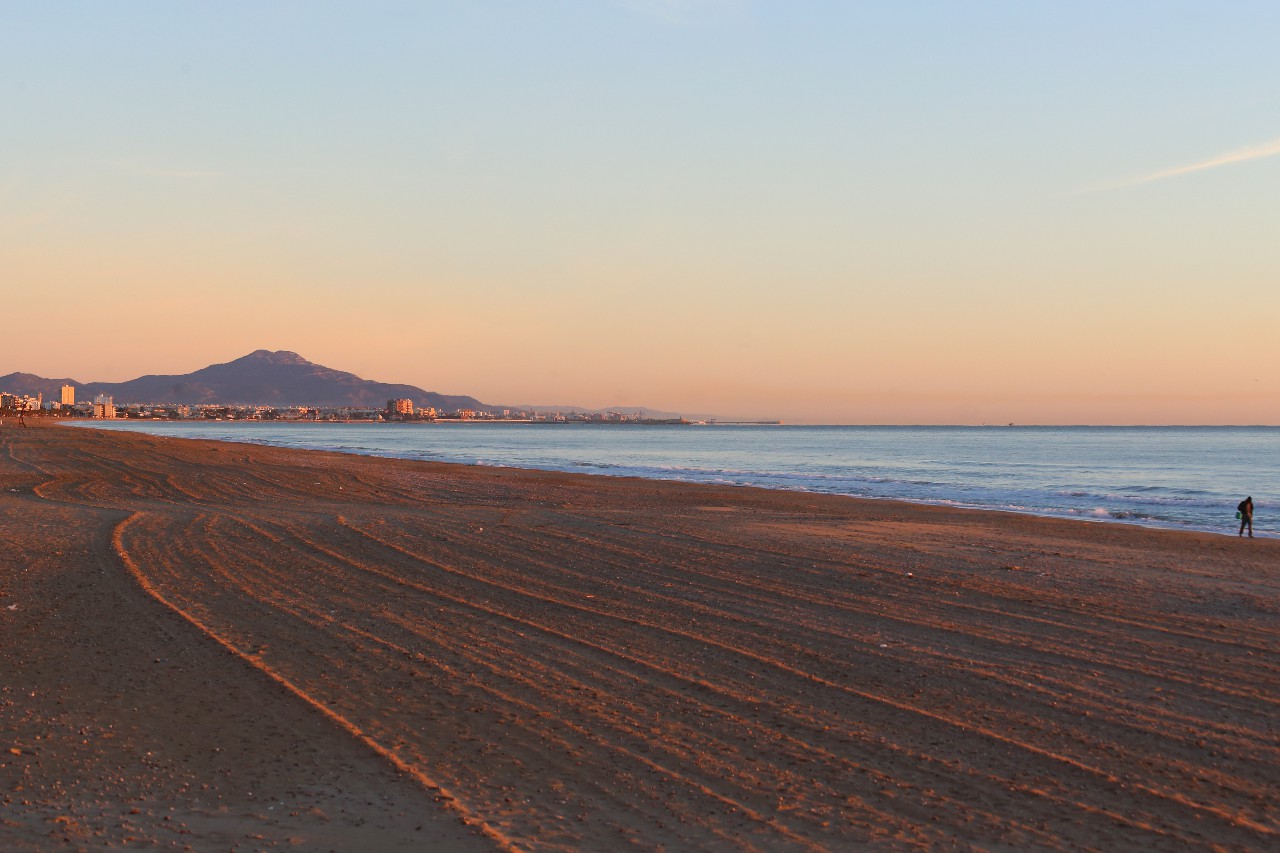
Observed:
{"x":831,"y":213}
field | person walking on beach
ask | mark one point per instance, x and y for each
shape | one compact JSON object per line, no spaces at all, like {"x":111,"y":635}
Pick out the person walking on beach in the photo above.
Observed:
{"x":1245,"y":513}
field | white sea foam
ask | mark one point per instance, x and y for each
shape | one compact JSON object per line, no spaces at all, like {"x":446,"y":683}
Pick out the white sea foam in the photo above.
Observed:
{"x":1165,"y":477}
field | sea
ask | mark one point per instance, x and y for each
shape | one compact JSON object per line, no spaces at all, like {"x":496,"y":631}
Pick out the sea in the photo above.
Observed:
{"x":1188,"y":478}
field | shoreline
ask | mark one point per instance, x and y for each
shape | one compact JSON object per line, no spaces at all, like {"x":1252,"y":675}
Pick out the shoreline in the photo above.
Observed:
{"x":1230,"y":529}
{"x":577,"y":662}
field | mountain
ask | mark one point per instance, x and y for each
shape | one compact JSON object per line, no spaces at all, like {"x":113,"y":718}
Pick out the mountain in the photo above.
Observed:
{"x":260,"y":378}
{"x":31,"y":385}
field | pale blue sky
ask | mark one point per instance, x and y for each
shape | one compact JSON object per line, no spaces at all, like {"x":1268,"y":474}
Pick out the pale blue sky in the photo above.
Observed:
{"x":843,"y":212}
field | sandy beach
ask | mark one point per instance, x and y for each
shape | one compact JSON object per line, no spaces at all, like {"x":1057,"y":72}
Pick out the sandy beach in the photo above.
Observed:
{"x":228,"y":647}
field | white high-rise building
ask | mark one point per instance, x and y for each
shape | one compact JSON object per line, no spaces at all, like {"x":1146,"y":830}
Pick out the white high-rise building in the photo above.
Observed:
{"x":68,"y":395}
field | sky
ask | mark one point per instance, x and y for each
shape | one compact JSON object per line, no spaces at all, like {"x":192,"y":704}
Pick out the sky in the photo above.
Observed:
{"x":821,"y":212}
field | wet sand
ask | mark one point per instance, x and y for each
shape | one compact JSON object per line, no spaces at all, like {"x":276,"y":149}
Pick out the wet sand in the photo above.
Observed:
{"x":229,"y":647}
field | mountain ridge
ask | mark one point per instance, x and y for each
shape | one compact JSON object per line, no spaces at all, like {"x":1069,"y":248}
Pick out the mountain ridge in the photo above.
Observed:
{"x":261,"y":378}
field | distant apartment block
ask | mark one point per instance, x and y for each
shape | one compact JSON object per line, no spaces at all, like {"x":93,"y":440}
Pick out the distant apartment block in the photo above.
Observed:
{"x":400,"y":407}
{"x":20,"y":402}
{"x":103,"y":407}
{"x":68,"y":395}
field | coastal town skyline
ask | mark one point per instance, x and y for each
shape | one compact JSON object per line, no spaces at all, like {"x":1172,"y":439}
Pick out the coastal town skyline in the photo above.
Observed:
{"x":843,"y":214}
{"x":284,"y":385}
{"x":265,"y":385}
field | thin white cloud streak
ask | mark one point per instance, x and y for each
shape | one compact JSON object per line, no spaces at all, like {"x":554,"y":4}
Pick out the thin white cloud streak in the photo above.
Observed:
{"x":1240,"y":155}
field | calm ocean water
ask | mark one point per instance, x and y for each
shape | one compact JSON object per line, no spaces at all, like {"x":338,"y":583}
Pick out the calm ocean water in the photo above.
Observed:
{"x":1176,"y":477}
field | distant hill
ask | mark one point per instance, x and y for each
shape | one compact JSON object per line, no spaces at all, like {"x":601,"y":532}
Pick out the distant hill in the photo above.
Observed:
{"x":31,"y":385}
{"x":261,"y":378}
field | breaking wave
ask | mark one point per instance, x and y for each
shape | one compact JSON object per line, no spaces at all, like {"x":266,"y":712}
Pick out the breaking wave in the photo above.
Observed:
{"x":1187,"y":478}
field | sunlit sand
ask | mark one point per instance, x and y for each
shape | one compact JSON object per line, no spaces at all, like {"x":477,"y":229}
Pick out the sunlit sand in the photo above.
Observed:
{"x":218,"y":645}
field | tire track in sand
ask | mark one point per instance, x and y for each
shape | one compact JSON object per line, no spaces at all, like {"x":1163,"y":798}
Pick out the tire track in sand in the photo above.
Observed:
{"x":415,"y":773}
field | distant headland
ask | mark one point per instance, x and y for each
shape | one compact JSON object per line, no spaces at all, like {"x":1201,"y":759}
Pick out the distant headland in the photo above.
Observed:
{"x":282,"y":385}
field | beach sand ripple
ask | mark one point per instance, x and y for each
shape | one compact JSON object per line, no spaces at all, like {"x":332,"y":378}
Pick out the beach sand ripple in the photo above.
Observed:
{"x":544,"y":661}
